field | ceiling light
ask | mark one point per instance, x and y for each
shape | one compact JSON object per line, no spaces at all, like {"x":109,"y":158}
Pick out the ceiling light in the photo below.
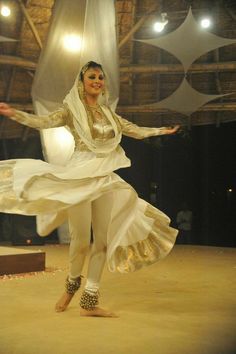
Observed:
{"x":160,"y":25}
{"x":72,"y":42}
{"x":205,"y":23}
{"x":5,"y":11}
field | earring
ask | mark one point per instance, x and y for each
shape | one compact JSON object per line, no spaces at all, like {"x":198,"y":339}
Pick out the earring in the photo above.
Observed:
{"x":82,"y":93}
{"x":105,"y":95}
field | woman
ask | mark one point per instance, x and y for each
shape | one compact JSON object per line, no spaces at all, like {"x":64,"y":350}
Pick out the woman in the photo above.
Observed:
{"x":128,"y":232}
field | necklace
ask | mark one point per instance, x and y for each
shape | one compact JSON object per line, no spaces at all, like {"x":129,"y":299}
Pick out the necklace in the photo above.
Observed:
{"x":93,"y":107}
{"x":96,"y":111}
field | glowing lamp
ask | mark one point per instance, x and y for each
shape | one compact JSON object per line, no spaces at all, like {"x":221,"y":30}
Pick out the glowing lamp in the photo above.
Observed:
{"x":5,"y":11}
{"x":205,"y":23}
{"x":72,"y":43}
{"x":160,"y":25}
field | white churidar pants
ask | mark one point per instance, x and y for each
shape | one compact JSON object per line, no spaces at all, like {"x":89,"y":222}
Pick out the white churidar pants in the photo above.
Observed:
{"x":96,"y":213}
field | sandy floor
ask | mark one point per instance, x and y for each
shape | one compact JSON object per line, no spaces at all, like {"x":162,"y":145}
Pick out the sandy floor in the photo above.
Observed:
{"x":186,"y":304}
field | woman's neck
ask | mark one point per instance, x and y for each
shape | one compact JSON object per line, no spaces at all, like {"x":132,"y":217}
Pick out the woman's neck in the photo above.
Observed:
{"x":91,"y":101}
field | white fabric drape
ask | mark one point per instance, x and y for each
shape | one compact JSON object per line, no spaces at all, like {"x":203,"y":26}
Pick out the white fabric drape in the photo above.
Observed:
{"x":185,"y":99}
{"x":7,"y":39}
{"x":189,"y":41}
{"x":94,"y":22}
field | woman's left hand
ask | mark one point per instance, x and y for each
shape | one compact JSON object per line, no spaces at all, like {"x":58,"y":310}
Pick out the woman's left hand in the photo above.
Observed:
{"x":172,"y":130}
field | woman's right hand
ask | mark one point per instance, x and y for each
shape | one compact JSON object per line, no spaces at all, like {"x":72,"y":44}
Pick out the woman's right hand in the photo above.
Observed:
{"x":6,"y":110}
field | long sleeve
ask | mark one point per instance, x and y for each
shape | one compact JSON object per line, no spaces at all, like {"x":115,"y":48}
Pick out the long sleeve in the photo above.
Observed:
{"x":134,"y":131}
{"x":53,"y":120}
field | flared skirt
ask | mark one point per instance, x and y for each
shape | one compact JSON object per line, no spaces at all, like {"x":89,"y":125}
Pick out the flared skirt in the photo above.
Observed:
{"x":138,"y":235}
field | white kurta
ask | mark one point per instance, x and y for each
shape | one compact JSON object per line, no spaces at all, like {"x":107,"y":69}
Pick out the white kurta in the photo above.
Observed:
{"x":139,"y":234}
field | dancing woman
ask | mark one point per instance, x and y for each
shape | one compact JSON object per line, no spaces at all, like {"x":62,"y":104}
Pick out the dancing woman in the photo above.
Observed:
{"x":128,"y":232}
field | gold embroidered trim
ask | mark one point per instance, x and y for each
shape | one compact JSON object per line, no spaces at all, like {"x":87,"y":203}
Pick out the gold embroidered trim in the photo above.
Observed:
{"x":6,"y":177}
{"x":156,"y":246}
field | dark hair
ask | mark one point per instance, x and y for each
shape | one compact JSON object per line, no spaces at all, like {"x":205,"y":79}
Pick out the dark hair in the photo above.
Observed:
{"x":89,"y":65}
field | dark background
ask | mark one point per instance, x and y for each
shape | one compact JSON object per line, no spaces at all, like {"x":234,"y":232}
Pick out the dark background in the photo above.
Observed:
{"x":196,"y":166}
{"x":20,"y":229}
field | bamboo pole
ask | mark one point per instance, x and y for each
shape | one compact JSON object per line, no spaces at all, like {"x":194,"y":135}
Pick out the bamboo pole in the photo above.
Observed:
{"x":138,"y":25}
{"x":230,"y":12}
{"x":226,"y":106}
{"x":17,"y":61}
{"x":31,"y":24}
{"x":177,"y":68}
{"x":28,"y":107}
{"x":136,"y":69}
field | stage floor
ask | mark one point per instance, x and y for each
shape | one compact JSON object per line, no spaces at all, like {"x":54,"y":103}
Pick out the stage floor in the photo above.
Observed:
{"x":186,"y":304}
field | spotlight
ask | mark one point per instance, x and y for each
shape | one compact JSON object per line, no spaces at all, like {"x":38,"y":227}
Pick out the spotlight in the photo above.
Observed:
{"x":160,"y":25}
{"x":5,"y":11}
{"x":72,"y":42}
{"x":205,"y":23}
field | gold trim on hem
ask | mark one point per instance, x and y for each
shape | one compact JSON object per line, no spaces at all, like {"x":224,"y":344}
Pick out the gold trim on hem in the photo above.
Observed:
{"x":153,"y":248}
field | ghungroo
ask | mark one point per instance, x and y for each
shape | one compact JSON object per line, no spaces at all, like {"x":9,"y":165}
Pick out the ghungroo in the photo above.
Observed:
{"x":73,"y":285}
{"x":88,"y":300}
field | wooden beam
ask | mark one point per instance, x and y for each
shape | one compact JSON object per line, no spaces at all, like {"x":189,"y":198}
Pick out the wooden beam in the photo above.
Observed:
{"x":132,"y":78}
{"x":2,"y":127}
{"x":171,"y":120}
{"x":177,"y":68}
{"x":28,"y":107}
{"x":16,"y":133}
{"x":30,"y":74}
{"x":31,"y":24}
{"x":25,"y":133}
{"x":158,"y":62}
{"x":136,"y":69}
{"x":138,"y":25}
{"x":10,"y":84}
{"x":17,"y":61}
{"x":231,"y":13}
{"x":217,"y":79}
{"x":4,"y":148}
{"x":217,"y":57}
{"x":216,"y":54}
{"x":226,"y":106}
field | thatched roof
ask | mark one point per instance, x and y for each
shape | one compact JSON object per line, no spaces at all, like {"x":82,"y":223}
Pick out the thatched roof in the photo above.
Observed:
{"x":147,"y":74}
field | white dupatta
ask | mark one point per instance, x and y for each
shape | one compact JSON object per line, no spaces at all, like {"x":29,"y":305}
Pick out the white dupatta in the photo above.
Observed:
{"x":80,"y":119}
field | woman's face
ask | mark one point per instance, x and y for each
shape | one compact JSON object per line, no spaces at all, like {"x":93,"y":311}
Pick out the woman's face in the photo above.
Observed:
{"x":94,"y":82}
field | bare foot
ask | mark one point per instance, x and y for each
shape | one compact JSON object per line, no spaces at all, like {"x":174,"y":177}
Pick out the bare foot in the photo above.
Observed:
{"x":63,"y":302}
{"x":97,"y":312}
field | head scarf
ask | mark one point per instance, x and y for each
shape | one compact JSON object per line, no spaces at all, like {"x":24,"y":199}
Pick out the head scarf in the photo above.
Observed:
{"x":80,"y":119}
